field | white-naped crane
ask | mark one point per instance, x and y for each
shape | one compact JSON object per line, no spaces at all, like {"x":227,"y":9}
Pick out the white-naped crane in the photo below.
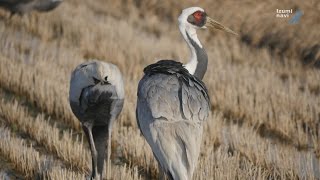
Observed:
{"x":173,"y":102}
{"x":96,"y":98}
{"x":25,"y":6}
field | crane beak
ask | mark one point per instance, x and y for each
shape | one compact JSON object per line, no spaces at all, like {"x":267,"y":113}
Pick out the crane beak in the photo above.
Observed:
{"x":216,"y":25}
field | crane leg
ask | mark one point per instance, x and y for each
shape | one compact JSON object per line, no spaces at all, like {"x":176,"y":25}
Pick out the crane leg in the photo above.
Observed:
{"x":100,"y":135}
{"x":109,"y":154}
{"x":88,"y":131}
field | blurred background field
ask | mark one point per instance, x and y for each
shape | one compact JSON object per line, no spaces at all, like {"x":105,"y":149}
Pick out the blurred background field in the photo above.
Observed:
{"x":264,"y":87}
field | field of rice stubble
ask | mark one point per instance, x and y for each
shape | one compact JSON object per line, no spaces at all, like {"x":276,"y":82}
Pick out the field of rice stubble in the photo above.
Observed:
{"x":264,"y":87}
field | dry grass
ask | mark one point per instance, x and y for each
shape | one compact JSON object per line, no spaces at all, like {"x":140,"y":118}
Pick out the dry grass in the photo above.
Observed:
{"x":62,"y":144}
{"x":26,"y":159}
{"x":59,"y":143}
{"x":266,"y":103}
{"x":63,"y":174}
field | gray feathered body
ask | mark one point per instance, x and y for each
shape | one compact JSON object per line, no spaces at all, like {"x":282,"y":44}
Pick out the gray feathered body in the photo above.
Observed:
{"x":99,"y":104}
{"x":172,"y":106}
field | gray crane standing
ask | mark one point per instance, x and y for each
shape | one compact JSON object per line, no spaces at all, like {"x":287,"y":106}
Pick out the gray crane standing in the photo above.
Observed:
{"x":173,"y":102}
{"x":96,"y":98}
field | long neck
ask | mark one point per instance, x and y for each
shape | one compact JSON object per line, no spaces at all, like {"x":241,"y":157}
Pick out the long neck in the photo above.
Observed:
{"x":198,"y":62}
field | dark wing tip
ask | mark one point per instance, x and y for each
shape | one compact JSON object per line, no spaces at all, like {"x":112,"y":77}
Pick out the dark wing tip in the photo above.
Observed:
{"x":164,"y":66}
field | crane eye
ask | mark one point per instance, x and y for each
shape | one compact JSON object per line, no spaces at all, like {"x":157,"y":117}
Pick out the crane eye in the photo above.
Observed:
{"x":95,"y":80}
{"x":198,"y":15}
{"x":198,"y":18}
{"x":83,"y":65}
{"x":106,"y":78}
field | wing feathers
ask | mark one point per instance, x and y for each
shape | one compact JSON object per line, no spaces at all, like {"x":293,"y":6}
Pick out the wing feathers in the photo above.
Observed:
{"x":177,"y":101}
{"x":171,"y":108}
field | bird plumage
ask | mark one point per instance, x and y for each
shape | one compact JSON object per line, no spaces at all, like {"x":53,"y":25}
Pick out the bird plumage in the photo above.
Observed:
{"x":96,"y":98}
{"x":172,"y":106}
{"x":25,"y":6}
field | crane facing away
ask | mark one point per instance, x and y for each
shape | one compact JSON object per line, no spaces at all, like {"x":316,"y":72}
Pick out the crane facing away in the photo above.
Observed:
{"x":24,"y":6}
{"x":96,"y":98}
{"x":173,"y":102}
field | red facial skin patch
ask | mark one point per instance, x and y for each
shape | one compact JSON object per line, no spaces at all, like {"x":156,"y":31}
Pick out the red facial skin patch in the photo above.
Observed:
{"x":198,"y":15}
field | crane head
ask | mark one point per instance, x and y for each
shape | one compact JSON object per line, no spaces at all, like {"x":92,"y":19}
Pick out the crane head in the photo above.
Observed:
{"x":197,"y":18}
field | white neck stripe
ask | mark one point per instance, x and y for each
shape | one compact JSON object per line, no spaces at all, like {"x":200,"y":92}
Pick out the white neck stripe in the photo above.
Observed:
{"x":193,"y":62}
